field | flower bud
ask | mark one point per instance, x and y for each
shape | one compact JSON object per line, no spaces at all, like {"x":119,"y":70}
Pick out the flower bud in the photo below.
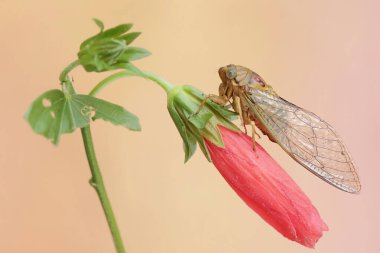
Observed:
{"x":266,"y":188}
{"x":110,"y":49}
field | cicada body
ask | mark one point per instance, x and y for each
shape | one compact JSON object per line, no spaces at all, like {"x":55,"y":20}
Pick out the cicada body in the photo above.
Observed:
{"x":307,"y":138}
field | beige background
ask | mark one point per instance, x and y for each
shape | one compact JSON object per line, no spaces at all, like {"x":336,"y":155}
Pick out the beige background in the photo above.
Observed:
{"x":321,"y":55}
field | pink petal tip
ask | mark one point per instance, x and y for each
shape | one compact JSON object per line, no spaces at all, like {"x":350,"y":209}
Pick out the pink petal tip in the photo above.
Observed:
{"x":266,"y":188}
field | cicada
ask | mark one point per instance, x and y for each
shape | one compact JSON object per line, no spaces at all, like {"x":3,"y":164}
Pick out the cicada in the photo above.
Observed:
{"x":308,"y":139}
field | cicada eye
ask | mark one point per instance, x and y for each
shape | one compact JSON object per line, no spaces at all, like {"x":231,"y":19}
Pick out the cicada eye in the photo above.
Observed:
{"x":231,"y":71}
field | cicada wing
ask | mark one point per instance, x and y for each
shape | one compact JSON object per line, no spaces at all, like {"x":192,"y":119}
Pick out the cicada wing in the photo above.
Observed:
{"x":308,"y":139}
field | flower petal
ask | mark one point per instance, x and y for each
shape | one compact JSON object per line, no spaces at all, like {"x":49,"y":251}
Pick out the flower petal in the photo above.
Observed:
{"x":265,"y":187}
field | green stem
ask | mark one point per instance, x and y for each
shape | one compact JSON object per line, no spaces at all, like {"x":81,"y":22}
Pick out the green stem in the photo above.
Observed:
{"x":65,"y":72}
{"x":151,"y":76}
{"x":161,"y":82}
{"x":96,"y":181}
{"x":104,"y":83}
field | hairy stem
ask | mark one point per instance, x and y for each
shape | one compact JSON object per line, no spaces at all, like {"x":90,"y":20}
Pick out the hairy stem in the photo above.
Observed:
{"x":96,"y":181}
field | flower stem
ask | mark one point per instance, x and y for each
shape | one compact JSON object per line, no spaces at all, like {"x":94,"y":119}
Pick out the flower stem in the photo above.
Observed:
{"x":148,"y":75}
{"x":161,"y":82}
{"x":96,"y":181}
{"x":102,"y":84}
{"x":65,"y":72}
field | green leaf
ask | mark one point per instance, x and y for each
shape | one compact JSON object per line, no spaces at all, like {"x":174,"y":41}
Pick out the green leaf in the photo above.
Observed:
{"x":130,"y":37}
{"x":133,"y":53}
{"x":54,"y":113}
{"x":99,"y":23}
{"x":107,"y":111}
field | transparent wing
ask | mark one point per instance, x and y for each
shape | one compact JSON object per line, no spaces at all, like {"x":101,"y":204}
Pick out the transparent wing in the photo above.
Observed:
{"x":307,"y":139}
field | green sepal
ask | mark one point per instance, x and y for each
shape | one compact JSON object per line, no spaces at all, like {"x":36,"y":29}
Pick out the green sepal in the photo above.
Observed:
{"x":200,"y":120}
{"x":55,"y":113}
{"x":200,"y":139}
{"x":184,"y":103}
{"x":189,"y":143}
{"x":205,"y":121}
{"x":212,"y":133}
{"x":133,"y":53}
{"x":101,"y":55}
{"x":222,"y":111}
{"x":130,"y":37}
{"x":99,"y":23}
{"x":221,"y":116}
{"x":107,"y":34}
{"x":115,"y":31}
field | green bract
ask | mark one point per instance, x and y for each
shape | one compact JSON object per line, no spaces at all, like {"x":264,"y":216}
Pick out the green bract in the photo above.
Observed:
{"x":109,"y":49}
{"x":183,"y":103}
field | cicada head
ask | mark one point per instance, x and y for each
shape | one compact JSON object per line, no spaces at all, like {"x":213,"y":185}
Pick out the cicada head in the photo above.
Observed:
{"x":242,"y":76}
{"x":228,"y":73}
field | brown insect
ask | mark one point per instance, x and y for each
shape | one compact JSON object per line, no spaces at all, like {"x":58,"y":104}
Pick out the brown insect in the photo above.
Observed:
{"x":307,"y":138}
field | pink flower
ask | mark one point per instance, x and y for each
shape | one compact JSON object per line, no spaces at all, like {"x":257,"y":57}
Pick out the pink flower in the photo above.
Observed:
{"x":266,"y":188}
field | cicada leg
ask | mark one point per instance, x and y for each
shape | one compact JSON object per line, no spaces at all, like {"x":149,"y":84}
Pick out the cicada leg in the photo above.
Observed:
{"x":224,"y":95}
{"x":253,"y":138}
{"x":236,"y":104}
{"x":253,"y":135}
{"x":220,"y":100}
{"x":248,"y":121}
